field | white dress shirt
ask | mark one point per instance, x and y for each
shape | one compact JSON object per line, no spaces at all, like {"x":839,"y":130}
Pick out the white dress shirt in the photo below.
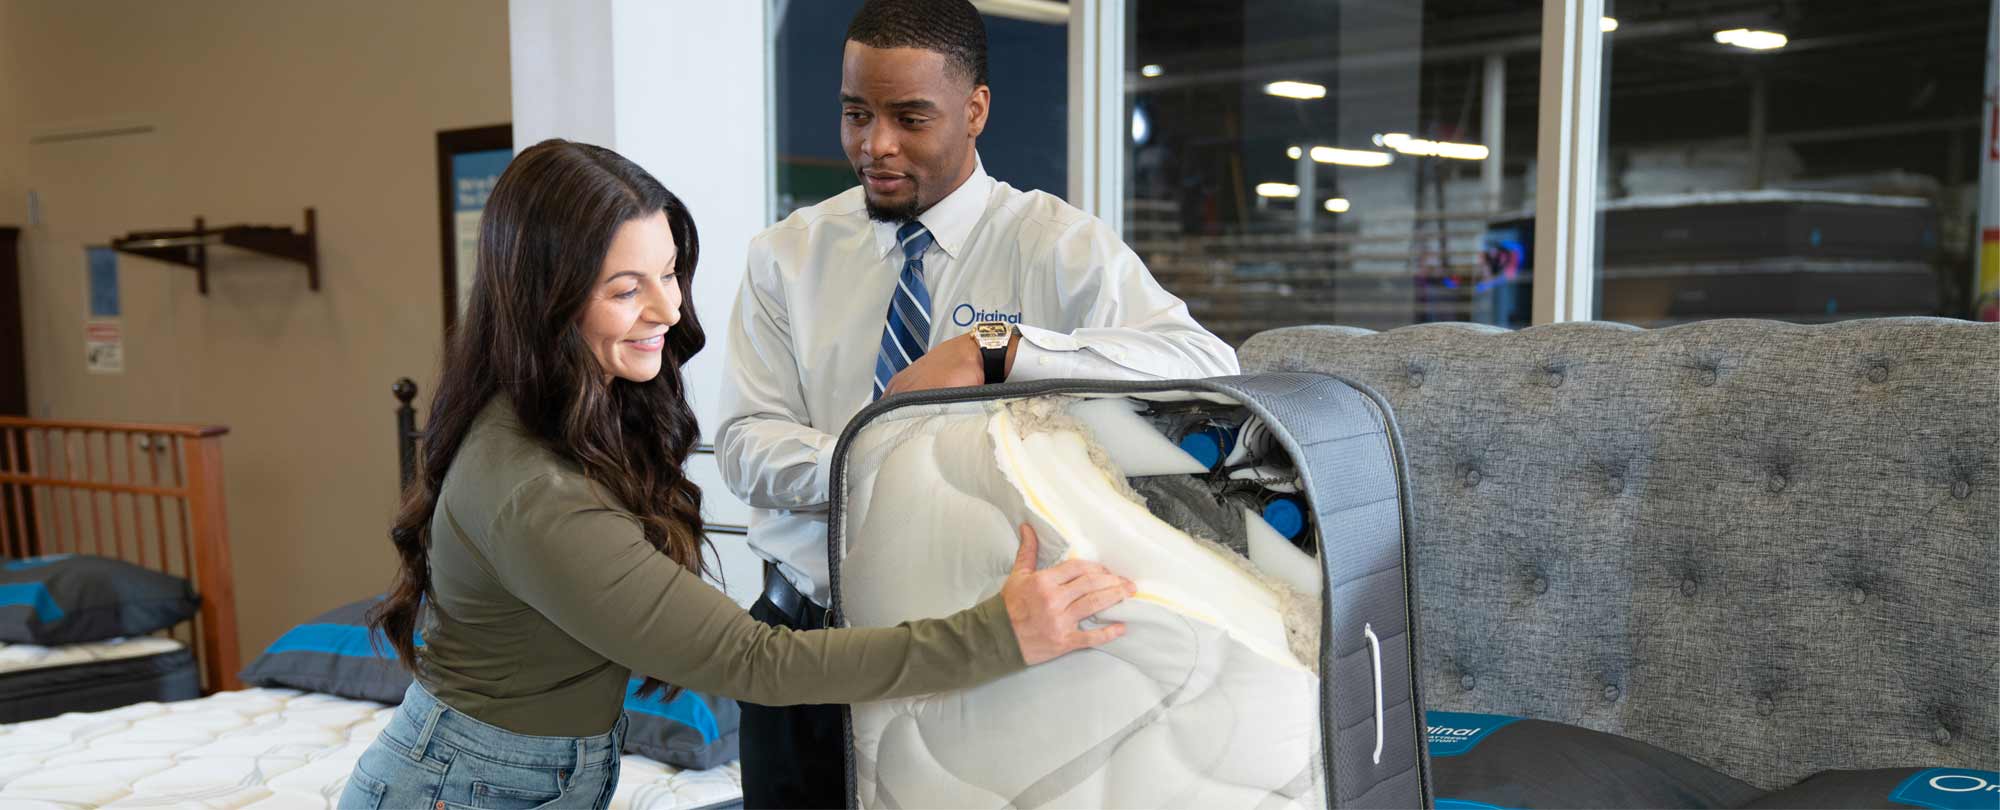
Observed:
{"x":809,"y":318}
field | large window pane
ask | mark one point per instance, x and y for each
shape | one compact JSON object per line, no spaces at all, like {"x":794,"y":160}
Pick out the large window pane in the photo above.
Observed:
{"x":1361,"y":162}
{"x":1811,"y":160}
{"x":1025,"y":143}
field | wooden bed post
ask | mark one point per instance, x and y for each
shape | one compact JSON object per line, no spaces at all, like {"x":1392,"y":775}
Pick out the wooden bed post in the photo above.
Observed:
{"x":213,"y":577}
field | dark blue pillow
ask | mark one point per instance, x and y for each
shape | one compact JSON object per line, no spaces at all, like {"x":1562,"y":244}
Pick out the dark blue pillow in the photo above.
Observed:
{"x":691,"y":731}
{"x":80,"y":598}
{"x":335,"y":654}
{"x":1945,"y":788}
{"x":1485,"y":761}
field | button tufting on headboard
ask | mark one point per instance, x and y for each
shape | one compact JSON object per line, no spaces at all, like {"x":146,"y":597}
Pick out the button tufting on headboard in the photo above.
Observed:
{"x":1795,"y":571}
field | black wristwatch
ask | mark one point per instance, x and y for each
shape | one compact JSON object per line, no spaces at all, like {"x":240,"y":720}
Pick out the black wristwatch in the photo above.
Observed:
{"x":993,"y":339}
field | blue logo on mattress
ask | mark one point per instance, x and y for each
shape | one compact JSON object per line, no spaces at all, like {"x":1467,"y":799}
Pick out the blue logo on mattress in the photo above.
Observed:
{"x":33,"y":595}
{"x":1454,"y":733}
{"x":36,"y":562}
{"x":685,"y":709}
{"x":1950,"y":789}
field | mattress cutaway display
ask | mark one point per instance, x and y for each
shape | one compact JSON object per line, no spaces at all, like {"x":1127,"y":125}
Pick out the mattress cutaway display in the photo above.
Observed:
{"x":1210,"y":699}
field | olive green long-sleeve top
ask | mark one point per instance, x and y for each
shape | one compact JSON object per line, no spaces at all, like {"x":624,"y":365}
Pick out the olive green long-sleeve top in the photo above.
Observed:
{"x":547,"y":598}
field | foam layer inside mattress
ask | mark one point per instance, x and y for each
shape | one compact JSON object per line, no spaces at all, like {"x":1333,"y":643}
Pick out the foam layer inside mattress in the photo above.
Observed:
{"x":1203,"y":702}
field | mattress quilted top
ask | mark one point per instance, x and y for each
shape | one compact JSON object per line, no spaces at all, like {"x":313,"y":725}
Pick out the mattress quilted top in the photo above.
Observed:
{"x":257,"y":748}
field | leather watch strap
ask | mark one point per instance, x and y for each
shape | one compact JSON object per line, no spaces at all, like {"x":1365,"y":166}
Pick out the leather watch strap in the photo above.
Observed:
{"x":996,"y":364}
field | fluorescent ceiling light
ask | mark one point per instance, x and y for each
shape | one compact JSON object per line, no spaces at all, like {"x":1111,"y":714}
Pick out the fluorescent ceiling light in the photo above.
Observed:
{"x":1300,"y":90}
{"x":1342,"y":157}
{"x":1607,"y":24}
{"x":1047,"y":12}
{"x":1337,"y":205}
{"x":1152,"y":71}
{"x":1419,"y":147}
{"x":1752,"y":40}
{"x":1349,"y":157}
{"x":1282,"y":191}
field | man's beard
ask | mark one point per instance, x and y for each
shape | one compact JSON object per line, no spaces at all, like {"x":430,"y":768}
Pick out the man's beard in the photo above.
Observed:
{"x":897,"y":213}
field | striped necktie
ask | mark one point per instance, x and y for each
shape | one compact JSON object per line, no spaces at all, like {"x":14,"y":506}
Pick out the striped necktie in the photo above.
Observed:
{"x":908,"y":331}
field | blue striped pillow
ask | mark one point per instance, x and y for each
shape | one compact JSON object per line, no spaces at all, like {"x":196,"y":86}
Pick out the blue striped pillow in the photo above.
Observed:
{"x":335,"y":653}
{"x":81,"y":598}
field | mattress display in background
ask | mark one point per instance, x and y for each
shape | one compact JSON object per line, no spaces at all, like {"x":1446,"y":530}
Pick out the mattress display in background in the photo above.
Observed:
{"x":38,"y":681}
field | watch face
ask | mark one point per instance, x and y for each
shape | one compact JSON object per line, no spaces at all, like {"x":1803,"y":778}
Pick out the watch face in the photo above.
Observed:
{"x":990,"y":334}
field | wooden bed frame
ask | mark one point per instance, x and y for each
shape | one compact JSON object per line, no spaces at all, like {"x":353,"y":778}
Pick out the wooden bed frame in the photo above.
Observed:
{"x":148,"y":494}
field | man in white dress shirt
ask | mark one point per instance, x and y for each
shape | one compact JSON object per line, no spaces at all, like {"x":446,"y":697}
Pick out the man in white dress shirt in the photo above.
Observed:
{"x":878,"y":291}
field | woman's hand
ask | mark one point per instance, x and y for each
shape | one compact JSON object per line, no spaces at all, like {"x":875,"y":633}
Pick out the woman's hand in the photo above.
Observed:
{"x":1046,"y":606}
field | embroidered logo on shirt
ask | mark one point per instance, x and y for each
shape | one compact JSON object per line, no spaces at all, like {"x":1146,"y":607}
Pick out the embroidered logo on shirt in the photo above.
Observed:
{"x":967,"y":315}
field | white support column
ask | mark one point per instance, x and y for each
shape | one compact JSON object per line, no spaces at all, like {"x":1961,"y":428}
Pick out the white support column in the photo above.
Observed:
{"x":623,"y":74}
{"x":1099,"y":124}
{"x":1986,"y":280}
{"x":1307,"y":205}
{"x":1565,"y":253}
{"x":560,"y":58}
{"x":681,"y":87}
{"x":1493,"y":131}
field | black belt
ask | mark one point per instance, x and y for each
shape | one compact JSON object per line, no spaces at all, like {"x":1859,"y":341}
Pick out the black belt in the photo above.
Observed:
{"x":803,"y":613}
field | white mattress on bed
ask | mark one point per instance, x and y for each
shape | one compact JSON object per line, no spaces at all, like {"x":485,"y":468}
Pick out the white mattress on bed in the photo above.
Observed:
{"x":24,"y":657}
{"x":257,"y":748}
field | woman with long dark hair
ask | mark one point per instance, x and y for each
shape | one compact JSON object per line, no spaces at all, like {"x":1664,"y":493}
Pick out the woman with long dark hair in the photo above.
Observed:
{"x":551,"y":544}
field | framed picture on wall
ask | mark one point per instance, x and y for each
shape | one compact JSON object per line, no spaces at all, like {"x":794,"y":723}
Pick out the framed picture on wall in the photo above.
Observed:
{"x":469,"y":162}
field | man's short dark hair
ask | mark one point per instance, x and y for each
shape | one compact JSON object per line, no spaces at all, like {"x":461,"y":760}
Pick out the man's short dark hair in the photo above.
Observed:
{"x":948,"y":27}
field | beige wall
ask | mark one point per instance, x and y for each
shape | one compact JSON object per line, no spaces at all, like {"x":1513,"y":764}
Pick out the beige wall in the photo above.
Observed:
{"x":12,"y":203}
{"x":260,"y":108}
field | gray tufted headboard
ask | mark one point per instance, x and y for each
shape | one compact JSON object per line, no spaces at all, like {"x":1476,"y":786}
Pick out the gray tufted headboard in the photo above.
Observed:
{"x":1772,"y":548}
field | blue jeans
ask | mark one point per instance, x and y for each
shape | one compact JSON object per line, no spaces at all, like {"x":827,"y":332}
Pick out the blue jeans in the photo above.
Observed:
{"x":433,"y":757}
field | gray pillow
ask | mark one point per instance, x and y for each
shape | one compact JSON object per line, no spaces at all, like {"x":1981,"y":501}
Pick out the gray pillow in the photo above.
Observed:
{"x":1481,"y":761}
{"x":1944,"y":788}
{"x":691,"y":731}
{"x":335,"y":653}
{"x":80,"y":598}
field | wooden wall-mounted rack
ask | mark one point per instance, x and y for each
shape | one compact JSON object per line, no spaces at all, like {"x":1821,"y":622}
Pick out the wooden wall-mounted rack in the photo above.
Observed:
{"x":190,"y":248}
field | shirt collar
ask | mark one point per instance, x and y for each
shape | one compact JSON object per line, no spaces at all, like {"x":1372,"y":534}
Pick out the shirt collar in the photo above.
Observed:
{"x":950,"y":221}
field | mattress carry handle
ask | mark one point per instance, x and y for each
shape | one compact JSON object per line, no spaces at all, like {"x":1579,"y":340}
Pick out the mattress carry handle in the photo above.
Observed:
{"x":1375,"y":652}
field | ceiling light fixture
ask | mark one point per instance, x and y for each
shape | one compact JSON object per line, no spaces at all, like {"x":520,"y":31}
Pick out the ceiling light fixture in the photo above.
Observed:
{"x":1419,"y":147}
{"x":1752,"y":40}
{"x":1304,"y":91}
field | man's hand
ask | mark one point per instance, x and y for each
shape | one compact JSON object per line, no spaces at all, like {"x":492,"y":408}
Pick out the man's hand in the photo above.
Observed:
{"x":954,"y":363}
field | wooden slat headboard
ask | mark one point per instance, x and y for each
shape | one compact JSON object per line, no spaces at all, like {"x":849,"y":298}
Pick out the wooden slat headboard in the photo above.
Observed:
{"x":148,"y":494}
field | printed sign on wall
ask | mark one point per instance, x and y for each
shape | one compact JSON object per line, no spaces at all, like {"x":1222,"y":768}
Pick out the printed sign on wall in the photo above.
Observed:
{"x":472,"y":177}
{"x":103,"y":347}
